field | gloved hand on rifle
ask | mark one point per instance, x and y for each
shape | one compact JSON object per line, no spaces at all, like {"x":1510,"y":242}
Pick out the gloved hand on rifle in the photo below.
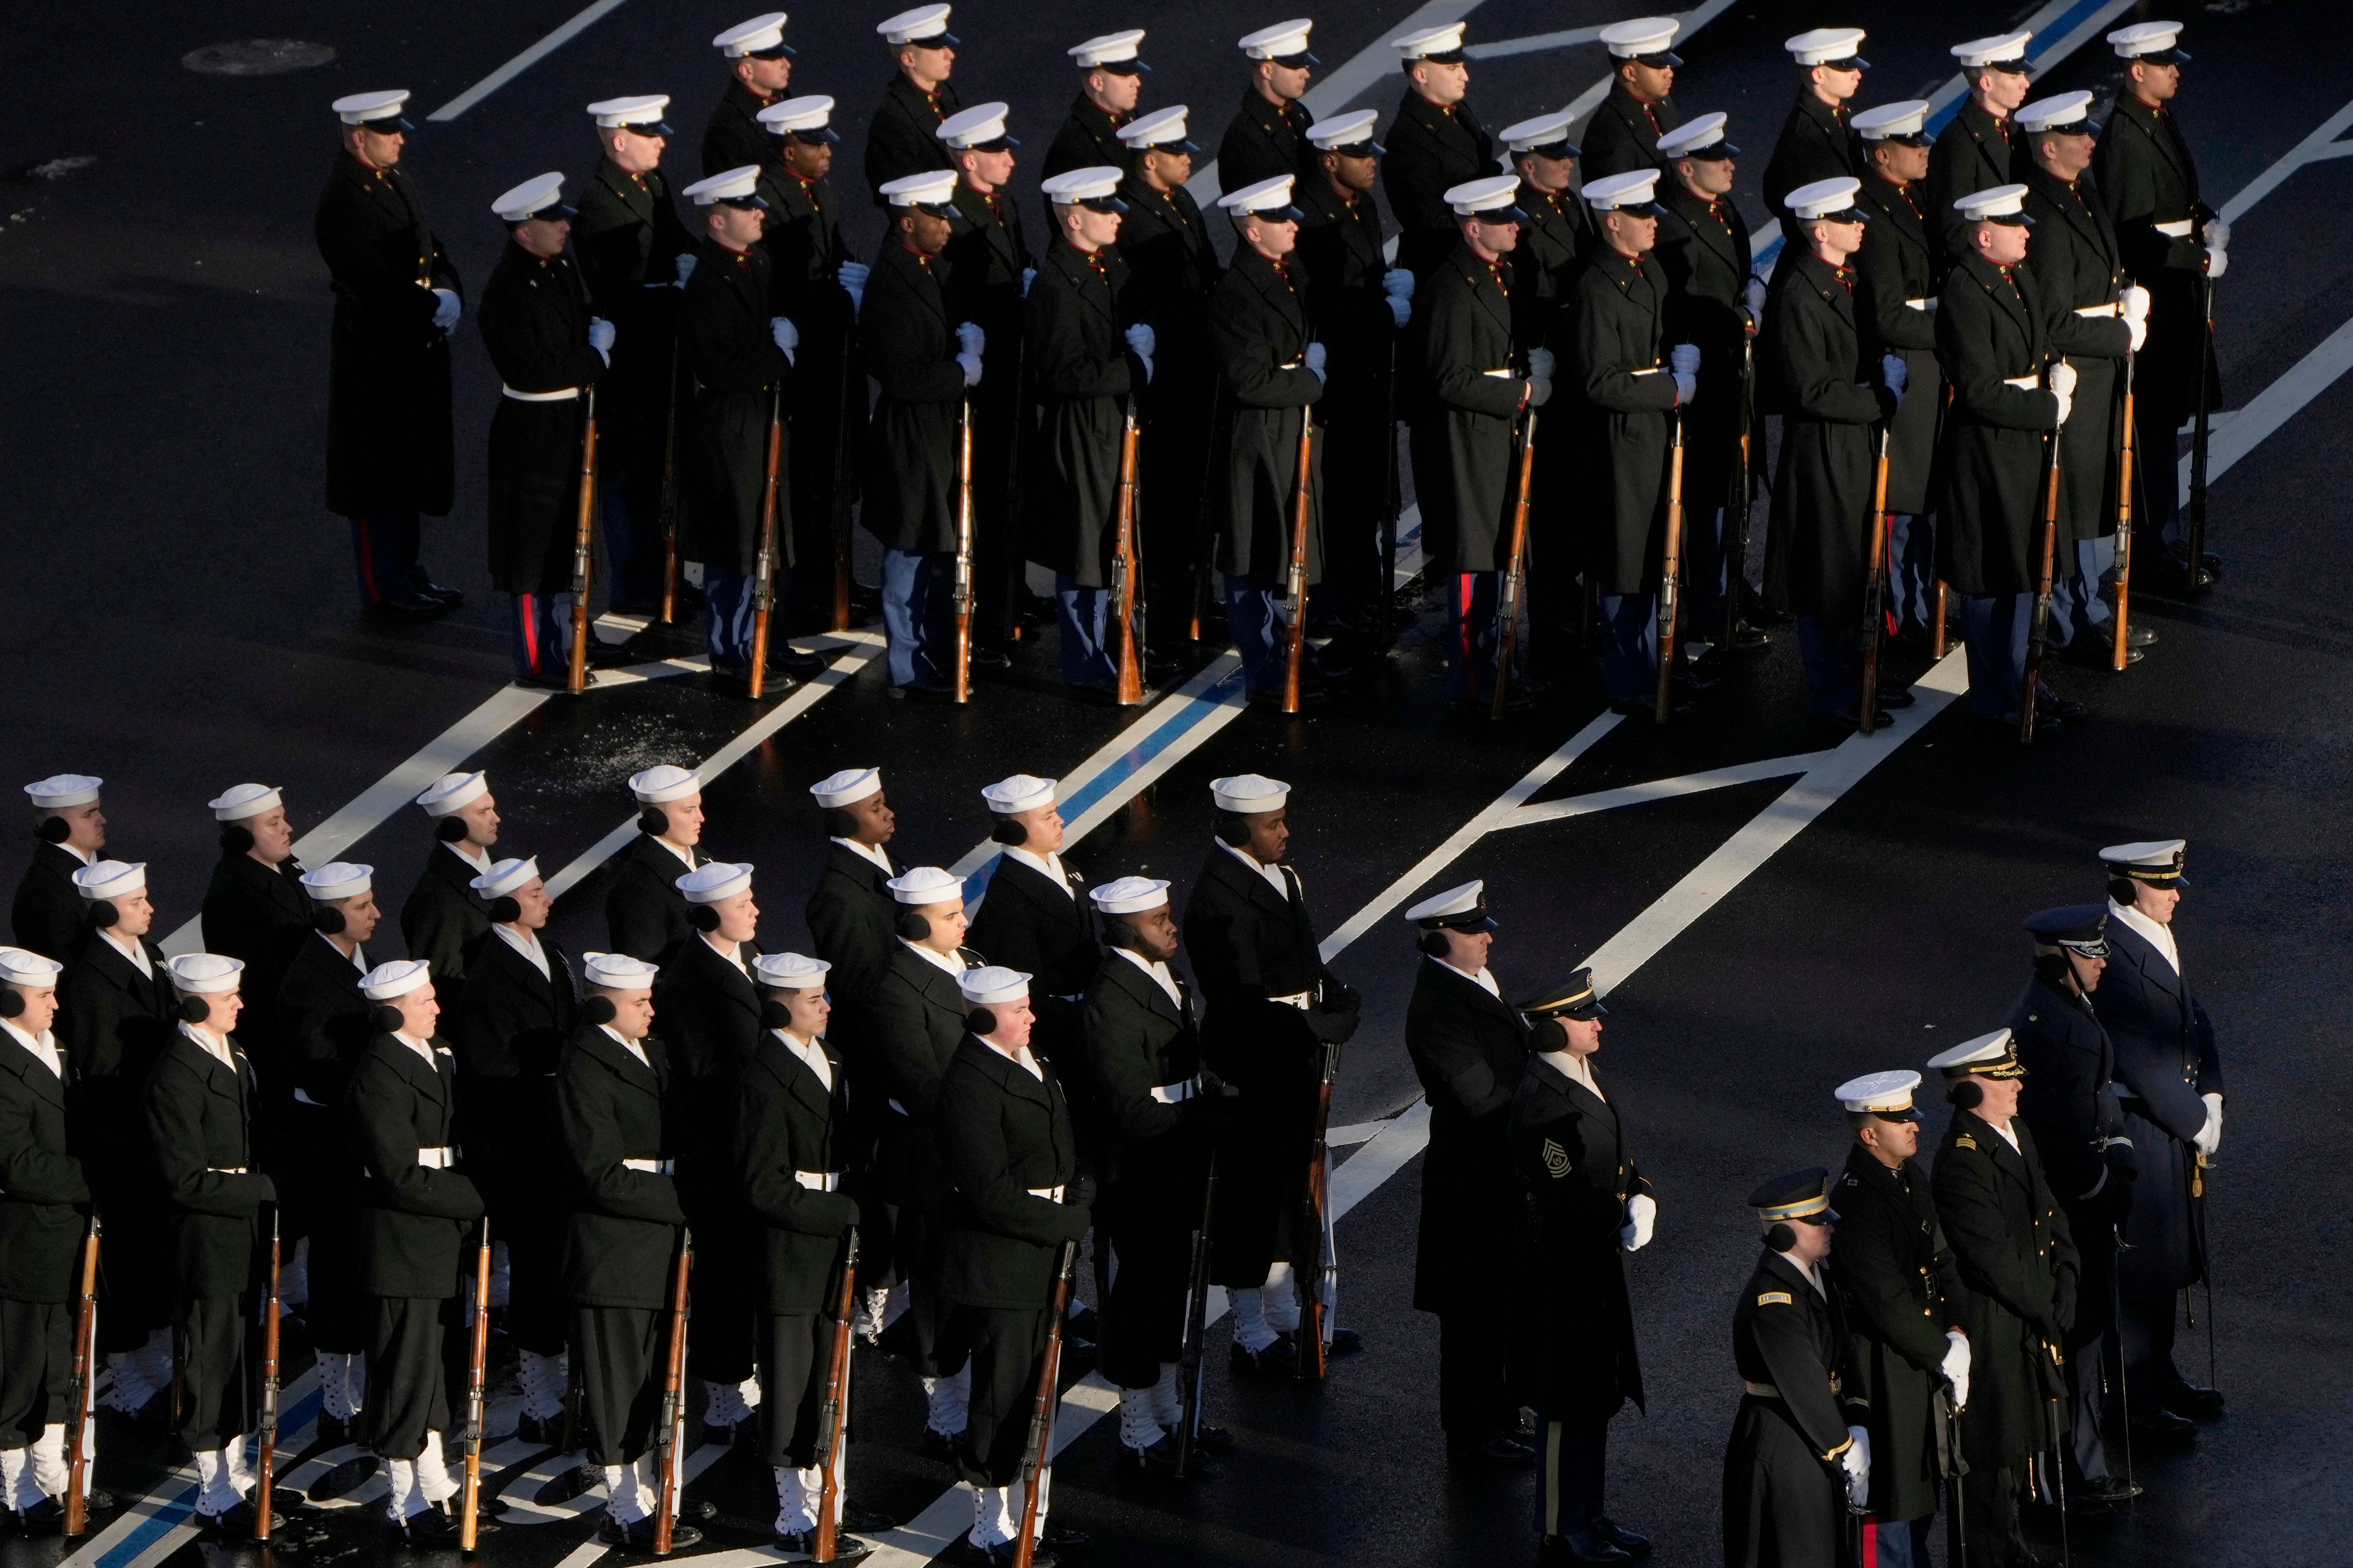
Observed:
{"x":1332,"y":1028}
{"x":970,"y":338}
{"x":686,"y":261}
{"x":1028,"y":276}
{"x":2218,"y":233}
{"x":1397,"y":284}
{"x":970,"y":364}
{"x":1539,"y":392}
{"x":1642,"y":1218}
{"x":1855,"y":1461}
{"x":447,"y":309}
{"x":1894,"y":375}
{"x":1313,"y":359}
{"x":2209,"y":1138}
{"x":1142,"y":341}
{"x":1753,"y":297}
{"x":1541,"y":365}
{"x":1956,"y":1366}
{"x":788,"y":336}
{"x":2062,"y":387}
{"x":1346,"y":999}
{"x":2218,"y":261}
{"x":600,"y":337}
{"x":852,"y":278}
{"x":1683,"y":359}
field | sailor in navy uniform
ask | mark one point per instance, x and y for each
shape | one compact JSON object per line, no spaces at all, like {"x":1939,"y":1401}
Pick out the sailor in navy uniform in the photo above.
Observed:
{"x":1035,"y":917}
{"x":645,"y":914}
{"x":68,"y":830}
{"x":443,"y":916}
{"x":2169,"y":1082}
{"x":254,"y":910}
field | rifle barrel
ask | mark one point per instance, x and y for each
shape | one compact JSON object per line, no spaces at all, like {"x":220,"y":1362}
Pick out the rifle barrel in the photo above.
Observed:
{"x":584,"y":546}
{"x":1670,"y":572}
{"x":1295,"y":580}
{"x":765,"y":561}
{"x":1514,"y":568}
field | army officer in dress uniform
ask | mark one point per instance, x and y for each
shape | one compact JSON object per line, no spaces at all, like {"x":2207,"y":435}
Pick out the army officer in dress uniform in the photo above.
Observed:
{"x":1468,"y":1047}
{"x":68,"y":830}
{"x":1035,"y":917}
{"x":1902,"y":1295}
{"x":645,"y":914}
{"x":1589,"y":1207}
{"x":443,"y":916}
{"x":1800,"y":1456}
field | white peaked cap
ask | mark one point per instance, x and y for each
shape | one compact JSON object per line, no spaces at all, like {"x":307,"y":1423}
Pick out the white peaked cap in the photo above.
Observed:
{"x":2158,"y":852}
{"x":1269,"y":195}
{"x":1905,"y":117}
{"x":2002,"y":48}
{"x":1343,"y":130}
{"x":2068,"y":111}
{"x":1541,"y":131}
{"x":1994,"y":201}
{"x":806,"y":114}
{"x":1879,"y":1090}
{"x":1819,"y":45}
{"x":639,"y":109}
{"x":1459,"y":901}
{"x":1279,"y":42}
{"x":789,"y":970}
{"x":617,"y":970}
{"x":992,"y":983}
{"x":1130,"y":896}
{"x":930,"y":188}
{"x":110,"y":879}
{"x":1634,"y":189}
{"x":205,"y":973}
{"x":505,"y":876}
{"x":1692,"y":136}
{"x":2145,"y":39}
{"x":1488,"y":192}
{"x":1429,"y":41}
{"x":62,"y":790}
{"x":453,"y":792}
{"x":1022,"y":792}
{"x":338,"y":879}
{"x":1991,"y":1047}
{"x":975,"y":126}
{"x":1642,"y":36}
{"x":1159,"y":128}
{"x":666,"y":782}
{"x":715,"y":881}
{"x":1248,"y":793}
{"x":241,"y":801}
{"x":1081,"y":185}
{"x":20,"y":967}
{"x":847,"y":788}
{"x":751,"y":37}
{"x":927,"y":884}
{"x":1108,"y":49}
{"x":397,"y":977}
{"x":362,"y":108}
{"x":1822,"y":198}
{"x":728,"y":186}
{"x":919,"y":26}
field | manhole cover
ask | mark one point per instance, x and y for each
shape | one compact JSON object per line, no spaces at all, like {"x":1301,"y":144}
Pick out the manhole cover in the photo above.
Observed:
{"x":257,"y":56}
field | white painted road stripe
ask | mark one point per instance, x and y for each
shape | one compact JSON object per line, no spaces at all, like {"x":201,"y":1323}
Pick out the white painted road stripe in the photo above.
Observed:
{"x":1661,"y":789}
{"x":2321,"y":145}
{"x":523,"y":61}
{"x":2273,"y":406}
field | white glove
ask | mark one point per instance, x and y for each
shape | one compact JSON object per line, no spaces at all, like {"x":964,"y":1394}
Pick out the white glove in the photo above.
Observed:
{"x":1956,"y":1367}
{"x":447,"y":309}
{"x":1642,"y":1218}
{"x":2135,"y":303}
{"x":1140,"y":338}
{"x":1685,"y":359}
{"x":1541,"y":363}
{"x":2217,"y":262}
{"x":686,"y":261}
{"x":1855,"y":1461}
{"x":971,"y":363}
{"x":1686,"y":388}
{"x":2218,"y":234}
{"x":970,"y":338}
{"x":1755,"y":299}
{"x":788,"y":336}
{"x":2062,"y":379}
{"x":1400,"y":311}
{"x":1147,"y":368}
{"x":1028,"y":276}
{"x":1314,"y":360}
{"x":1893,"y":374}
{"x":1397,"y":283}
{"x":2210,"y":1137}
{"x":1540,"y":392}
{"x":2067,"y":405}
{"x":852,"y":278}
{"x":2137,"y":334}
{"x":600,"y":337}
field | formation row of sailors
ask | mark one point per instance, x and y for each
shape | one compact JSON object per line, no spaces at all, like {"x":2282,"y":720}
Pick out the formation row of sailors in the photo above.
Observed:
{"x":1623,"y":267}
{"x":2036,"y":1267}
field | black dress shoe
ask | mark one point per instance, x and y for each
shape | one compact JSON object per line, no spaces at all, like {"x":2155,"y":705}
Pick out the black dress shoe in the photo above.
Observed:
{"x":1214,"y":1440}
{"x":2140,"y":634}
{"x":639,"y":1534}
{"x":2115,"y":1490}
{"x":2046,"y":723}
{"x":1001,"y":1555}
{"x":1746,"y":638}
{"x":1269,"y":698}
{"x":1280,"y":1359}
{"x":1062,"y":1535}
{"x":991,"y":659}
{"x":846,"y":1548}
{"x":935,"y":691}
{"x":1645,"y":708}
{"x":410,"y":607}
{"x":1632,"y":1544}
{"x":548,"y":1430}
{"x":2189,"y":1399}
{"x":429,"y":1529}
{"x":736,"y":681}
{"x":1587,"y":1546}
{"x":451,"y":597}
{"x":1900,"y":698}
{"x":2157,"y":1421}
{"x":1497,"y":1453}
{"x":784,"y":657}
{"x":936,"y":1444}
{"x":1160,"y":1459}
{"x":866,"y":1521}
{"x":345,"y":1477}
{"x":237,"y":1524}
{"x":1345,"y":1341}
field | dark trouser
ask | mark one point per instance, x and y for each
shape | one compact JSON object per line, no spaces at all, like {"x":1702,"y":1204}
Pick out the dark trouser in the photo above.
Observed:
{"x":407,"y":1378}
{"x":541,"y":628}
{"x":1629,"y":647}
{"x":726,"y":1290}
{"x":1700,"y":604}
{"x":535,"y":1316}
{"x":2076,"y":608}
{"x":2144,"y":1336}
{"x":339,"y":1313}
{"x":1144,"y":1320}
{"x":1904,"y":1542}
{"x":917,"y":1239}
{"x":384,"y":550}
{"x":1833,"y":665}
{"x":218,"y":1404}
{"x":616,"y":1356}
{"x":733,"y":614}
{"x":630,"y":504}
{"x":1911,"y":568}
{"x":798,"y":1348}
{"x":1259,"y":629}
{"x":1989,"y":1507}
{"x":919,"y":615}
{"x":36,"y":1368}
{"x":1004,"y":1345}
{"x":2157,"y":426}
{"x":1474,"y":633}
{"x":1474,"y":1402}
{"x":1569,"y":1473}
{"x":1996,"y":626}
{"x":1087,"y":627}
{"x":2087,"y":1455}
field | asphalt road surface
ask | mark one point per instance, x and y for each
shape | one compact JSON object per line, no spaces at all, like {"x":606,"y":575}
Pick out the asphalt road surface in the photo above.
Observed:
{"x":1773,"y":910}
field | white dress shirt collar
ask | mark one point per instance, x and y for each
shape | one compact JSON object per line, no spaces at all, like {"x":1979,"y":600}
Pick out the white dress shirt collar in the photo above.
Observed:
{"x":1162,"y":976}
{"x":1046,"y":866}
{"x":131,"y":948}
{"x":944,"y":963}
{"x":685,"y":855}
{"x":527,"y":943}
{"x":210,"y":1044}
{"x":2155,"y":932}
{"x":44,"y":1049}
{"x":632,"y":1046}
{"x":811,"y":1054}
{"x":733,"y":951}
{"x":1019,"y":1056}
{"x":1274,"y":874}
{"x":1484,"y":979}
{"x":473,"y":854}
{"x":868,"y":852}
{"x":358,"y":954}
{"x":422,"y":1047}
{"x":1575,"y":1068}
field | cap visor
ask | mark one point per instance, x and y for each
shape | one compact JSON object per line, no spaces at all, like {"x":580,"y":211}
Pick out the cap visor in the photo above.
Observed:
{"x":1660,"y":62}
{"x":817,"y":135}
{"x":387,"y":126}
{"x":1296,"y":62}
{"x":752,"y":202}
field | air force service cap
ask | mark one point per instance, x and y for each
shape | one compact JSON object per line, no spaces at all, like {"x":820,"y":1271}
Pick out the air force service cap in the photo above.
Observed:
{"x":1113,"y":52}
{"x":1700,"y":138}
{"x":925,"y":27}
{"x":761,"y":39}
{"x":2156,"y":861}
{"x":1286,"y":44}
{"x":809,"y":118}
{"x":738,"y":187}
{"x":1163,"y":130}
{"x":933,"y":192}
{"x":1886,"y":1095}
{"x":1832,"y":46}
{"x":379,"y":111}
{"x":1987,"y":1056}
{"x":1463,"y":908}
{"x":639,"y":115}
{"x":1996,"y":204}
{"x":1829,"y":201}
{"x":2079,"y":928}
{"x":980,"y":129}
{"x":2151,"y":41}
{"x":1905,"y":121}
{"x":1439,"y":45}
{"x":1096,"y":187}
{"x":1545,"y":135}
{"x":1350,"y":135}
{"x":2002,"y":52}
{"x":1643,"y":41}
{"x":2068,"y":113}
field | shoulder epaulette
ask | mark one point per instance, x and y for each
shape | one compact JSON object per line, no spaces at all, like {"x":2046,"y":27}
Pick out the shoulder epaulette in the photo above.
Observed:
{"x":1965,"y":1141}
{"x":1775,"y":1299}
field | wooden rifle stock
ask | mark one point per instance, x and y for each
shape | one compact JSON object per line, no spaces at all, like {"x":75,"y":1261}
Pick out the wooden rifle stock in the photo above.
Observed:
{"x":1319,"y":1286}
{"x":1197,"y":1306}
{"x":1123,"y":570}
{"x":2125,"y":455}
{"x":77,"y":1391}
{"x":1038,"y":1455}
{"x":584,"y":541}
{"x":671,"y":1438}
{"x":1296,"y":577}
{"x":2037,"y":640}
{"x":1671,"y":566}
{"x":1205,"y":532}
{"x":1937,"y":639}
{"x":833,"y":1413}
{"x":1515,"y":565}
{"x":668,"y":512}
{"x":1874,"y":626}
{"x":842,"y":478}
{"x":763,"y":563}
{"x":2199,"y":439}
{"x":478,"y":1356}
{"x":960,"y":591}
{"x":1743,"y":498}
{"x":265,"y":1478}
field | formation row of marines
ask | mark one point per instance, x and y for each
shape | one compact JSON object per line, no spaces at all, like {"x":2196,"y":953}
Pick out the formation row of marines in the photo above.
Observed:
{"x":970,"y":1116}
{"x":1911,"y":306}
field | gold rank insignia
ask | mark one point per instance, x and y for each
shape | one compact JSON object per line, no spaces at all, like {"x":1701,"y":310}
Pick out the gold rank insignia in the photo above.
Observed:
{"x":1556,"y":1158}
{"x":1775,"y":1299}
{"x":1965,"y":1141}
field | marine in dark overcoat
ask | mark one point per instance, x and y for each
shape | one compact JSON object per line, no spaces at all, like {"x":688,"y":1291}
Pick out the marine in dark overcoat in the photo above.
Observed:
{"x":910,"y":345}
{"x":1432,"y":148}
{"x":725,"y":339}
{"x":900,"y":139}
{"x":1081,"y":368}
{"x":1816,"y":143}
{"x":1623,"y":134}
